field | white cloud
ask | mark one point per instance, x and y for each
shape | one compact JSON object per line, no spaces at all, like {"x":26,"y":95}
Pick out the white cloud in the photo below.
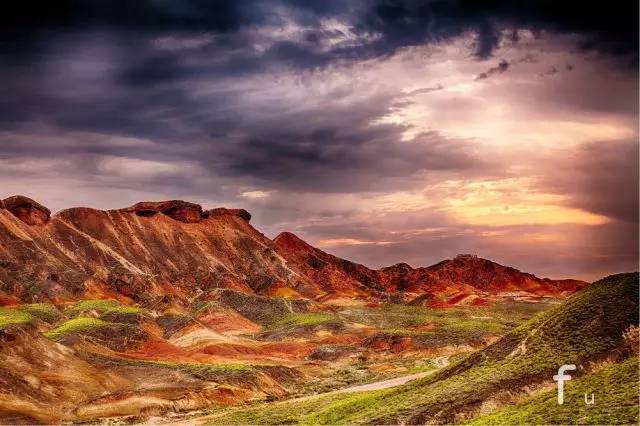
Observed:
{"x":255,"y":195}
{"x":135,"y":167}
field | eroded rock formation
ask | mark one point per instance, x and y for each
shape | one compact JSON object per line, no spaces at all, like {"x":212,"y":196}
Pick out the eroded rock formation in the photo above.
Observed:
{"x":27,"y":210}
{"x":182,"y":211}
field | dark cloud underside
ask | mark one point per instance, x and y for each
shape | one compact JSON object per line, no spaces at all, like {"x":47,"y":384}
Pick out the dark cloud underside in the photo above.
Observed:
{"x":217,"y":99}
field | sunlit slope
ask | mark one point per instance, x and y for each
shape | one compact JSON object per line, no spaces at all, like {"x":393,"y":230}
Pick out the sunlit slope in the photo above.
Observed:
{"x":615,"y":393}
{"x":587,"y":327}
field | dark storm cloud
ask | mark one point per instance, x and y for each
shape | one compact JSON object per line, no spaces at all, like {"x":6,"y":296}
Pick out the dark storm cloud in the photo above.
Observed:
{"x":136,"y":88}
{"x":603,"y":179}
{"x":610,"y":27}
{"x":336,"y":160}
{"x":498,"y":69}
{"x":329,"y":145}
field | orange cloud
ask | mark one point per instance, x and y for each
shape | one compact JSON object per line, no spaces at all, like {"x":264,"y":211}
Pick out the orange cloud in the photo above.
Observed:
{"x":335,"y":242}
{"x":513,"y":201}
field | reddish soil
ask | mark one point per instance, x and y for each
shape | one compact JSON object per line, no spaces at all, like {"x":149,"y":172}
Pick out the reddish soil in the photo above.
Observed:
{"x":283,"y":350}
{"x":480,"y":301}
{"x":457,"y":298}
{"x":8,"y":300}
{"x":158,"y":349}
{"x":424,"y":327}
{"x":228,"y":321}
{"x":438,"y":304}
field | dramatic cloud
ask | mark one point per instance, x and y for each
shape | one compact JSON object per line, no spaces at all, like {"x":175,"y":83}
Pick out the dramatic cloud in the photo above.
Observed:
{"x":603,"y":179}
{"x":382,"y":130}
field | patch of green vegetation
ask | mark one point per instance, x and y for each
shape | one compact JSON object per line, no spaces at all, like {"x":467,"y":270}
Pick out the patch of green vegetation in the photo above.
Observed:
{"x":98,"y":305}
{"x":293,"y":412}
{"x":122,"y":314}
{"x":303,"y":319}
{"x":441,"y":327}
{"x":615,"y":389}
{"x":14,"y":316}
{"x":587,"y":326}
{"x":44,"y":311}
{"x":495,"y":319}
{"x":76,"y":325}
{"x":124,"y":310}
{"x":198,"y":370}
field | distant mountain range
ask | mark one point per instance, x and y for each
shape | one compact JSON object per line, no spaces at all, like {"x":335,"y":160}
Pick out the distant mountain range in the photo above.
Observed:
{"x":154,"y":249}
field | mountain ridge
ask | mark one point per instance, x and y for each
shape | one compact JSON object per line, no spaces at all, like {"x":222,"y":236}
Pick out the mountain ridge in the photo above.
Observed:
{"x":465,"y":274}
{"x":175,"y":247}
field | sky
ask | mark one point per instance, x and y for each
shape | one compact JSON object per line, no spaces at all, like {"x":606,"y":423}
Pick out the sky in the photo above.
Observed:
{"x":380,"y":131}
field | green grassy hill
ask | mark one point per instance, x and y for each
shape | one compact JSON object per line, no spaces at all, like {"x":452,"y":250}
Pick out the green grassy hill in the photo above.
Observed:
{"x":615,"y":391}
{"x":587,"y":327}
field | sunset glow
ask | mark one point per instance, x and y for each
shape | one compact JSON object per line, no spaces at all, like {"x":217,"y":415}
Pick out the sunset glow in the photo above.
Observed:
{"x":342,"y":125}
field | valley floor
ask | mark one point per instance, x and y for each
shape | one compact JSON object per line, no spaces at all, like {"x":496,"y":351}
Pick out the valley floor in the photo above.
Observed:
{"x":216,"y":362}
{"x":140,"y":363}
{"x":198,"y":418}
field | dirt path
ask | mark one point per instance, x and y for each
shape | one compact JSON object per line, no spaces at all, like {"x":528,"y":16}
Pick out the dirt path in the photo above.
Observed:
{"x":383,"y":384}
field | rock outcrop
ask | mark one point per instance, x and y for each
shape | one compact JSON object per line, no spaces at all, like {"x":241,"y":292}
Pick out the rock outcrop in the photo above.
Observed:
{"x":182,"y":211}
{"x":27,"y":210}
{"x":221,"y":211}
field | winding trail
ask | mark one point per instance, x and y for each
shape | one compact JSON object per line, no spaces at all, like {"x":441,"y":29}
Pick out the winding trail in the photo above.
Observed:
{"x":382,"y":384}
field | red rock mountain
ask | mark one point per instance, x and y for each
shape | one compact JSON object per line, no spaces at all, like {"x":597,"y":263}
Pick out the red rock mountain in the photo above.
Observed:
{"x":332,"y":274}
{"x":465,"y":274}
{"x":177,"y":249}
{"x":141,"y":252}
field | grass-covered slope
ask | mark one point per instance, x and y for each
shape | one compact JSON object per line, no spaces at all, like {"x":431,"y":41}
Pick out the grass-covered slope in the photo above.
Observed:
{"x":587,"y":327}
{"x":44,"y":311}
{"x":615,"y":392}
{"x":97,"y":305}
{"x":14,"y":316}
{"x":76,"y":325}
